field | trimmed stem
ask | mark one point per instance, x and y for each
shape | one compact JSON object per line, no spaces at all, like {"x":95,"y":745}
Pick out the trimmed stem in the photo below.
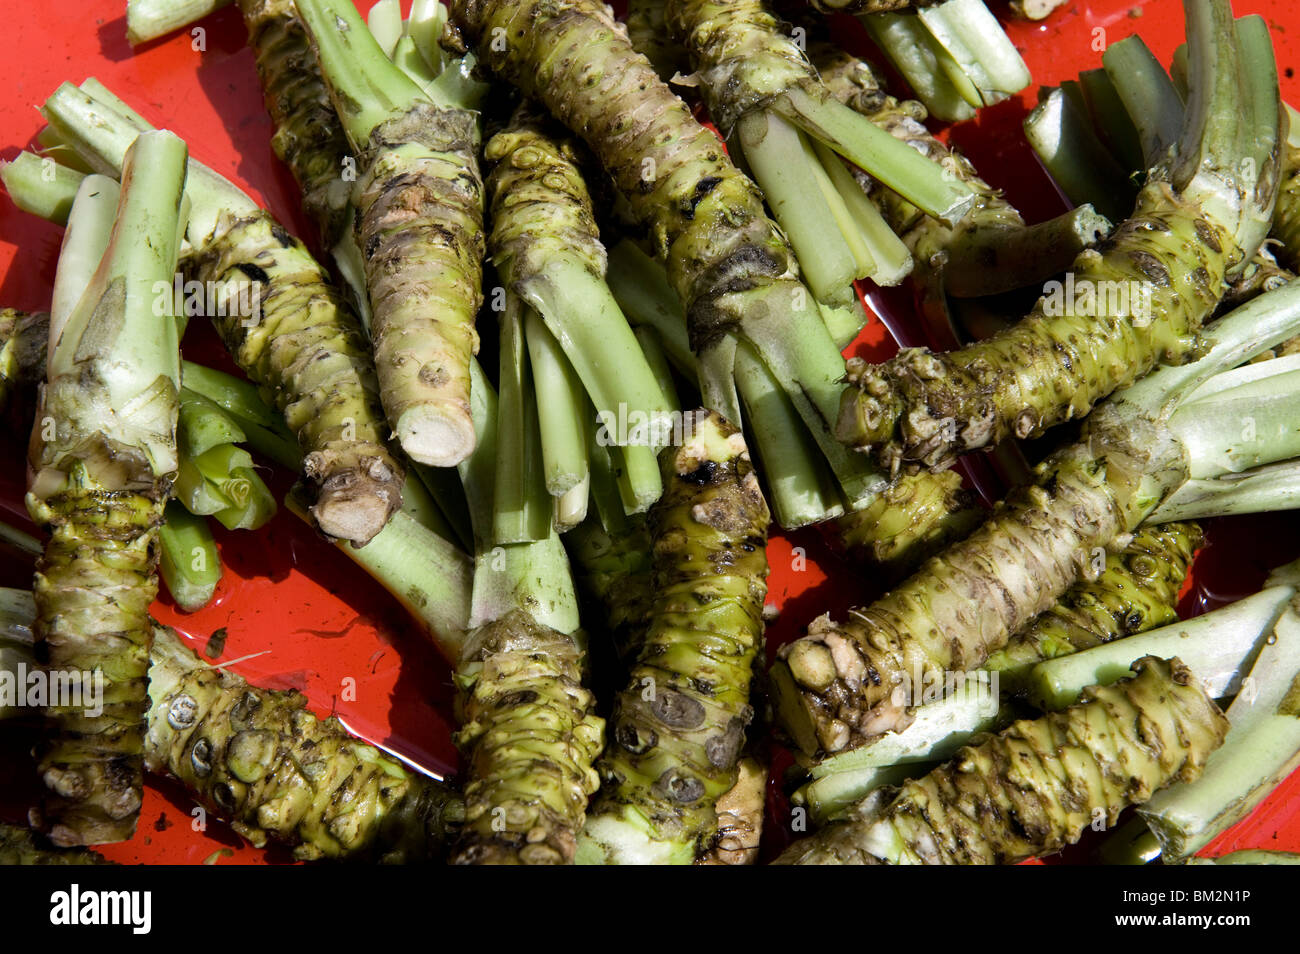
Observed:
{"x":641,"y":289}
{"x":367,"y":88}
{"x":1149,"y":98}
{"x":1219,"y":648}
{"x":975,"y":41}
{"x":521,"y":506}
{"x":150,"y":19}
{"x":1074,"y":157}
{"x":894,"y":163}
{"x":787,"y":171}
{"x":385,"y":24}
{"x":84,"y":242}
{"x":561,"y":408}
{"x":889,"y":258}
{"x":991,"y":261}
{"x":202,"y":425}
{"x":188,"y":558}
{"x":584,"y":317}
{"x":430,"y":577}
{"x":1271,"y":488}
{"x":800,"y":488}
{"x":917,"y":56}
{"x":1110,"y":118}
{"x":41,"y":186}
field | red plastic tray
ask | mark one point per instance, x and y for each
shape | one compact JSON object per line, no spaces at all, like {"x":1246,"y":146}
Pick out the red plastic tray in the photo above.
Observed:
{"x":318,"y":622}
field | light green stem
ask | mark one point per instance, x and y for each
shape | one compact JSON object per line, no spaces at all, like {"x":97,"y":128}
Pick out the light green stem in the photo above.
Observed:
{"x":188,"y":558}
{"x":560,"y":409}
{"x":150,"y":19}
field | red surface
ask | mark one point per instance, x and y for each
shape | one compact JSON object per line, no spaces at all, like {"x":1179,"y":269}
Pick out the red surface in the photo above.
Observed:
{"x":315,"y":618}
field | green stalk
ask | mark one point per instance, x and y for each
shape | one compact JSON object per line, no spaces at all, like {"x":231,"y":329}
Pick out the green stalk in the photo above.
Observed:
{"x":40,"y":185}
{"x":101,"y":477}
{"x":529,"y":733}
{"x":150,"y":19}
{"x":1153,"y":105}
{"x":877,"y":153}
{"x":202,"y":425}
{"x":990,"y":250}
{"x":560,"y":409}
{"x":914,"y":52}
{"x":188,"y":558}
{"x":1110,"y":118}
{"x":1262,"y":490}
{"x":1262,"y":748}
{"x":783,"y":164}
{"x":1219,"y":647}
{"x":306,"y":349}
{"x":253,"y":507}
{"x":939,"y":730}
{"x":1038,"y":785}
{"x":1075,"y":158}
{"x":84,"y":243}
{"x":196,"y":493}
{"x":263,"y":430}
{"x":521,"y":505}
{"x":428,"y":576}
{"x":891,"y":262}
{"x":801,"y":488}
{"x":657,"y":360}
{"x":424,"y":26}
{"x":641,"y":288}
{"x":991,"y":261}
{"x":385,"y":24}
{"x":972,"y":36}
{"x":420,"y":220}
{"x":746,"y":64}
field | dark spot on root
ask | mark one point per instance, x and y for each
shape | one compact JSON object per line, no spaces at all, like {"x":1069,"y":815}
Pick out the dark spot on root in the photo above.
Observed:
{"x":254,"y":272}
{"x":629,"y":738}
{"x":676,"y":710}
{"x":521,"y":697}
{"x":280,"y":235}
{"x":703,"y":474}
{"x":1208,"y":238}
{"x":702,"y":188}
{"x":678,"y":788}
{"x":1151,"y":267}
